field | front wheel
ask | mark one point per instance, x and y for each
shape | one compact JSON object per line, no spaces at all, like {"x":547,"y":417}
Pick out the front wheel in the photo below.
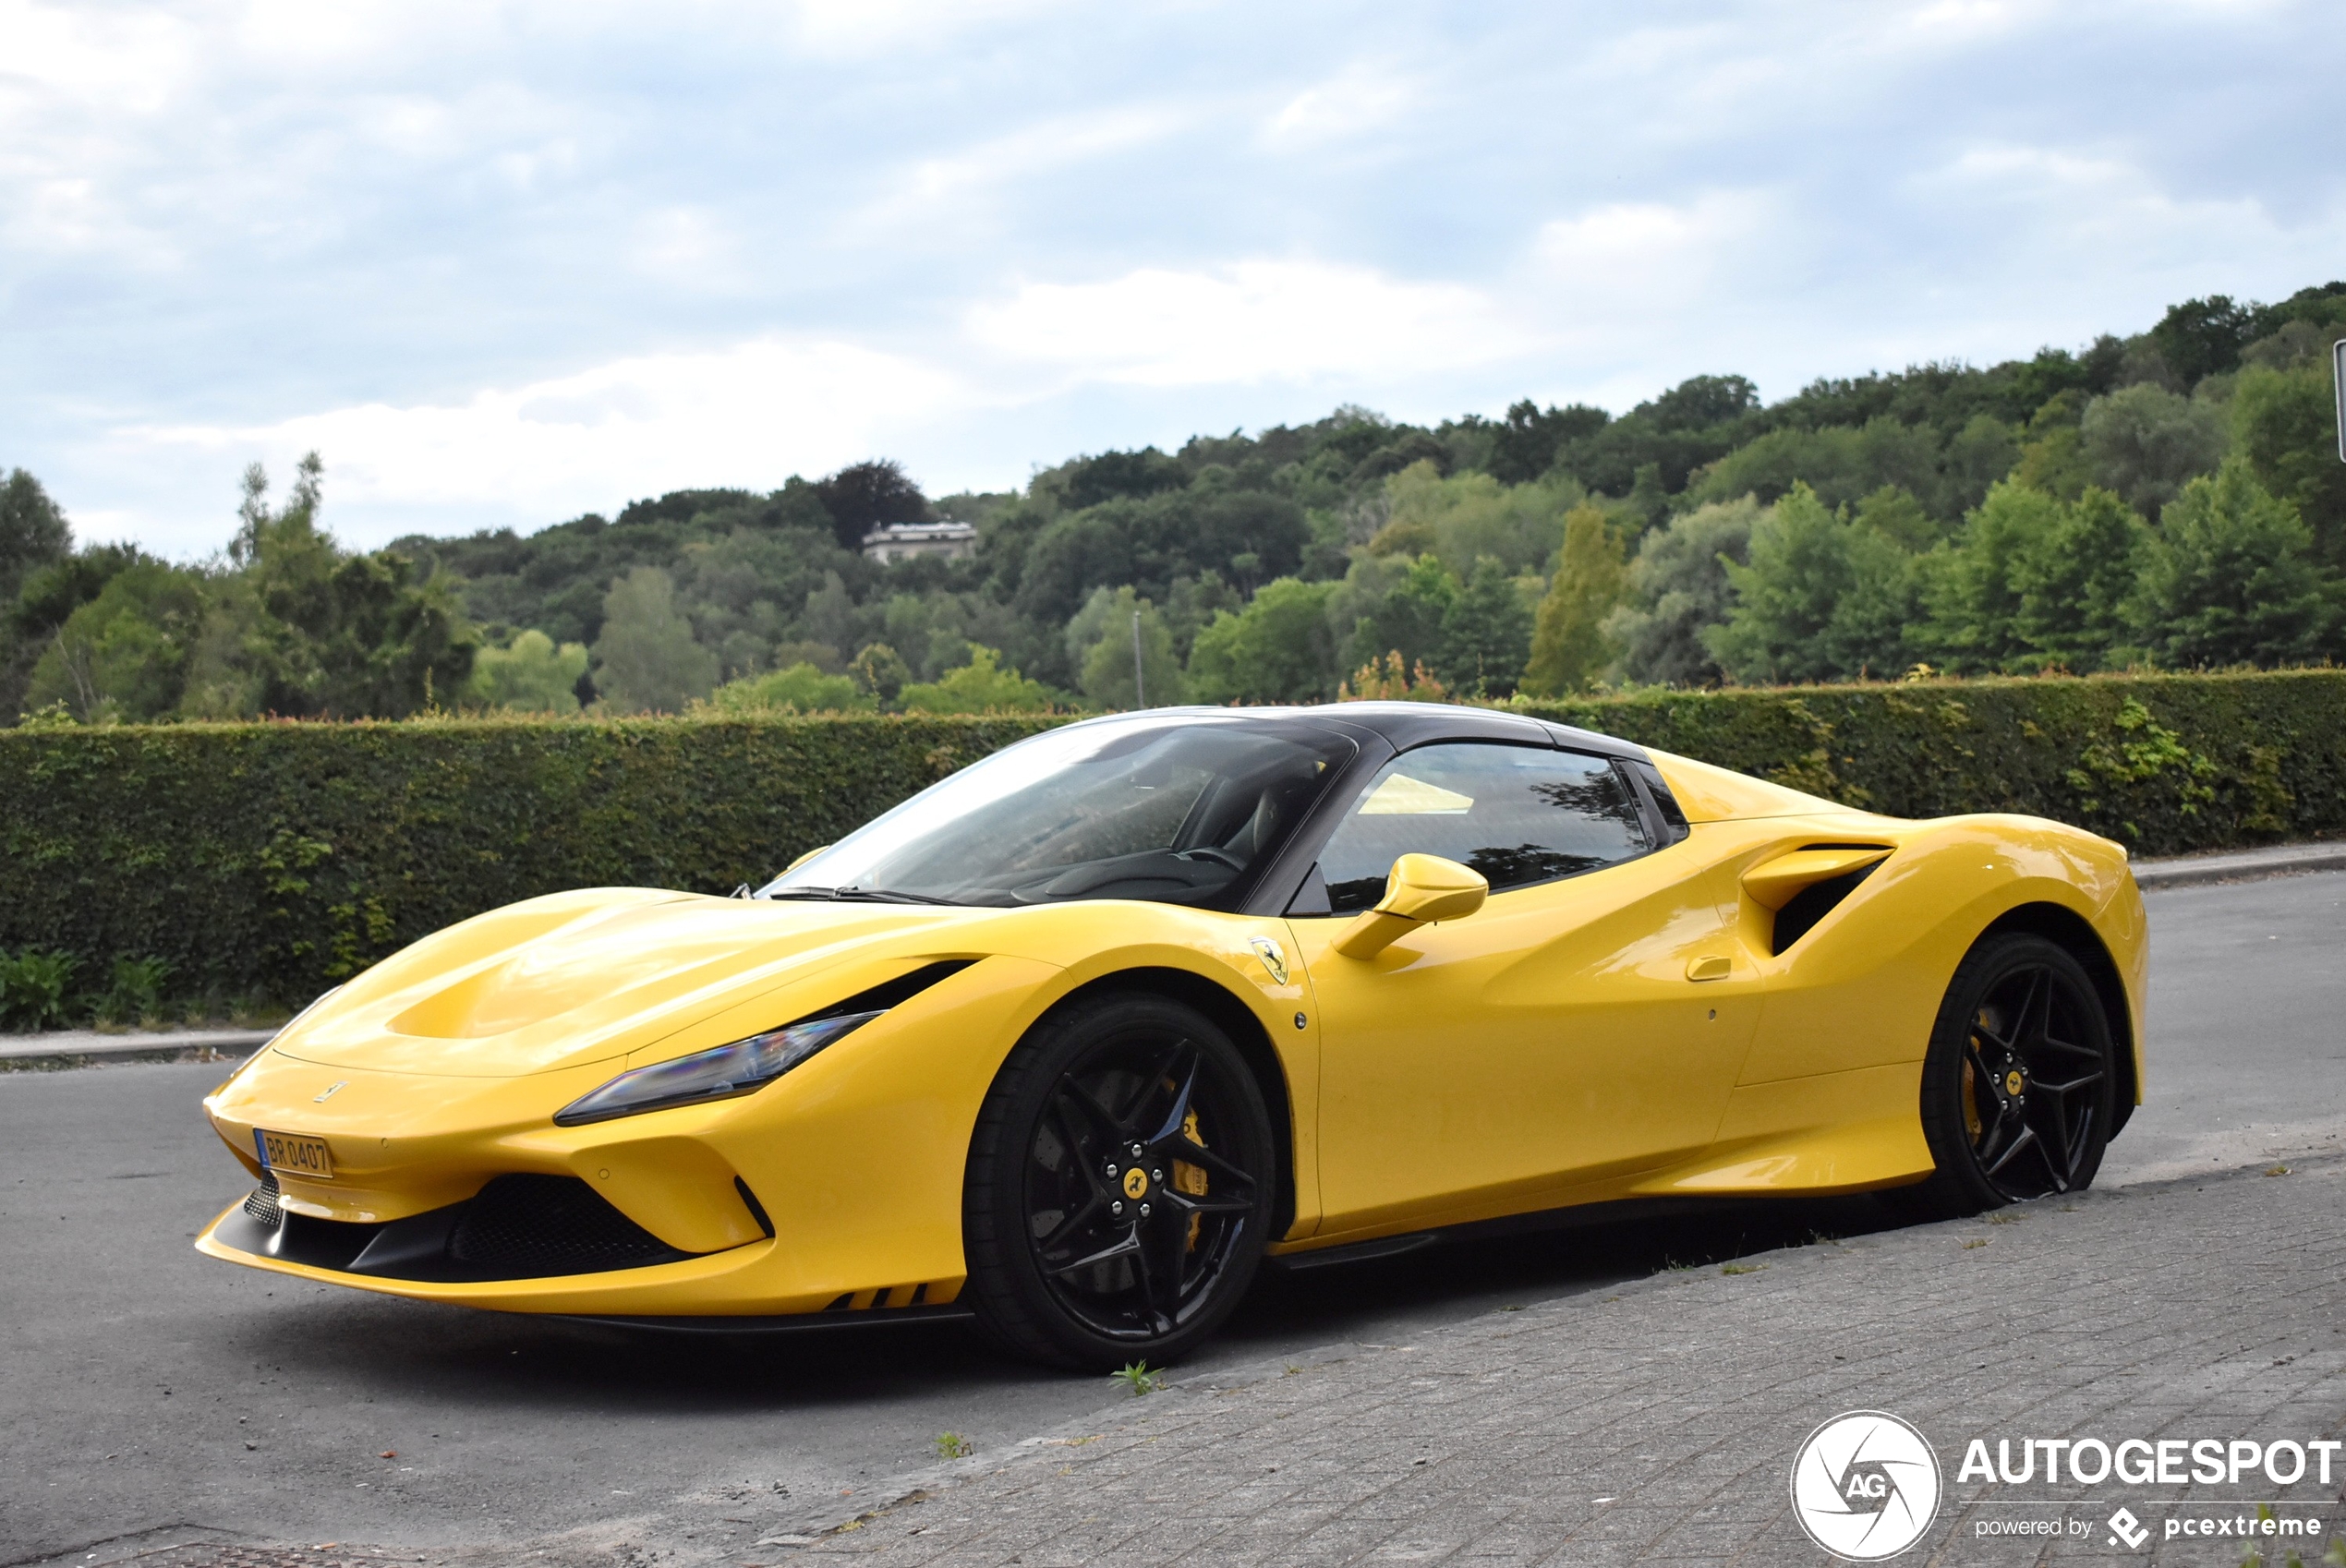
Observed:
{"x":1119,"y":1186}
{"x":2018,"y":1088}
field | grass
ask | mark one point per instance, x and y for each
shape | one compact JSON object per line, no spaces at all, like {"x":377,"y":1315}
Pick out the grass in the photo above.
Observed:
{"x":1743,"y":1268}
{"x":953,"y":1445}
{"x":1975,"y":1241}
{"x":1139,"y":1377}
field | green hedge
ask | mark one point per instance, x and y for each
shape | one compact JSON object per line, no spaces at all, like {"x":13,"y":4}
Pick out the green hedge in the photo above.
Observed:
{"x":2160,"y":763}
{"x":262,"y":862}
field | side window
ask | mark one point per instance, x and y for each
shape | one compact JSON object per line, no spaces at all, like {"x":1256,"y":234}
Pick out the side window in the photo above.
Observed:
{"x":1519,"y":814}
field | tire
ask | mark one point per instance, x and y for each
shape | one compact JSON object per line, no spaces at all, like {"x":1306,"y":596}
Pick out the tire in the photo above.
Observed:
{"x":2018,"y":1088}
{"x":1082,"y":1255}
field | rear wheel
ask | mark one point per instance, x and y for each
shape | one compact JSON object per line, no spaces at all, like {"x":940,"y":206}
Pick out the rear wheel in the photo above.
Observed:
{"x":2018,"y":1088}
{"x":1119,"y":1186}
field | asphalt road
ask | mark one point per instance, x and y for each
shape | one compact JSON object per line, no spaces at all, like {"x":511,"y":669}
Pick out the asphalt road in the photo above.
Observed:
{"x":142,"y":1386}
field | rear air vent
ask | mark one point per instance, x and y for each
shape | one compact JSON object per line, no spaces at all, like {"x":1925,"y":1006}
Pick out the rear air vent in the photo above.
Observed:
{"x":1818,"y":900}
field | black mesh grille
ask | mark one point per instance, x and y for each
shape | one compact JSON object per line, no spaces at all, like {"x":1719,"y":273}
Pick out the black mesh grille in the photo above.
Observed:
{"x":530,"y":1226}
{"x":261,"y":1201}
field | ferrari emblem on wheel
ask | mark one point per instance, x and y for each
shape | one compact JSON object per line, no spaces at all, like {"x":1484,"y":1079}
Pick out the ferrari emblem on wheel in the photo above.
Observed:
{"x":1008,"y":1052}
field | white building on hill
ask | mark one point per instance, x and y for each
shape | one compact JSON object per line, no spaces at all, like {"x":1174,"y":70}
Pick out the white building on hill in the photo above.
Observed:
{"x":901,"y":541}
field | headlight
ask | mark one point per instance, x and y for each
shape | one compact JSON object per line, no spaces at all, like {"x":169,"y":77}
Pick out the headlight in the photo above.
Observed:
{"x":739,"y":1069}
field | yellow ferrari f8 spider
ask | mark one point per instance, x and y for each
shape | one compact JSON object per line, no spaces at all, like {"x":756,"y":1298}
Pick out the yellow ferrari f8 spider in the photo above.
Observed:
{"x":1072,"y":1040}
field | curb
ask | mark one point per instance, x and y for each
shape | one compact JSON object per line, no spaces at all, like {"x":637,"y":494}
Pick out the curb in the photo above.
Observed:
{"x":83,"y":1048}
{"x":2240,"y":865}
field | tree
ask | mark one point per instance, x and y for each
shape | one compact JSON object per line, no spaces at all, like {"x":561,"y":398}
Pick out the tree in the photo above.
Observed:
{"x":2074,"y":580}
{"x":1677,"y":586}
{"x":1279,"y":649}
{"x":309,"y":629}
{"x":1897,"y":515}
{"x":1569,"y":648}
{"x":2229,"y":577}
{"x":2146,"y":443}
{"x":800,"y":688}
{"x":1468,"y":516}
{"x":124,"y":655}
{"x":879,"y":671}
{"x":2285,"y":423}
{"x":863,"y":496}
{"x":1100,"y":649}
{"x":2202,"y":337}
{"x":1486,"y":634}
{"x":646,"y":661}
{"x":1523,"y":445}
{"x":1821,"y":599}
{"x":528,"y":675}
{"x":1391,"y":604}
{"x":1974,"y":594}
{"x":33,"y":531}
{"x":979,"y":686}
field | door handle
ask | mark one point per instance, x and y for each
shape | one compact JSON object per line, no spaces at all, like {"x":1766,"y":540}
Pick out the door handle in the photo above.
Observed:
{"x":1712,"y":968}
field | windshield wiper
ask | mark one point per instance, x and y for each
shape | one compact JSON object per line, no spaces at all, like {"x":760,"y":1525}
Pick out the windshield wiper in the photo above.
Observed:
{"x":862,"y":895}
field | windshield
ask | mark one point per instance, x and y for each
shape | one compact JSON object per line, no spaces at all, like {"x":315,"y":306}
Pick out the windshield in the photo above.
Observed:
{"x":1172,"y":810}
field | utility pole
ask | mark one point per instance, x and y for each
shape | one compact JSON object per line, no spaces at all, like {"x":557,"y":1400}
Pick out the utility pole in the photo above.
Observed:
{"x":1140,"y":686}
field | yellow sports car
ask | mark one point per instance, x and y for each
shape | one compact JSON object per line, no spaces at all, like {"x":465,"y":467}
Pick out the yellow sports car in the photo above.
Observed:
{"x":1071,"y":1040}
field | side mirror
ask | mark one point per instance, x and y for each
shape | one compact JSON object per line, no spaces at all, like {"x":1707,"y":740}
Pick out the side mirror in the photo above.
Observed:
{"x":1421,"y":890}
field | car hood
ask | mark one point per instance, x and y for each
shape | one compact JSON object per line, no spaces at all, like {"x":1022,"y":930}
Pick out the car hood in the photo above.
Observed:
{"x":577,"y":978}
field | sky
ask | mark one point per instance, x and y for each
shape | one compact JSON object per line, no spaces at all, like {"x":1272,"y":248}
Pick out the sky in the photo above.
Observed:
{"x":505,"y":263}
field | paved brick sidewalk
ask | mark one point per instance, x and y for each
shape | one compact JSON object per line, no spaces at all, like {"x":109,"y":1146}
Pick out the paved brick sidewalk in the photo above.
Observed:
{"x":1657,"y":1423}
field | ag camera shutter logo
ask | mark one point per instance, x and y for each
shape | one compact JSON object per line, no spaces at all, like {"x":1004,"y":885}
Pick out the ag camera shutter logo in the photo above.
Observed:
{"x":1865,"y":1486}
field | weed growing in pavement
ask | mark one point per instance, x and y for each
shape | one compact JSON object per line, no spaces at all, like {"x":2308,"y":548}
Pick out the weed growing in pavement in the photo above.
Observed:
{"x":1291,"y":1370}
{"x":2277,"y":1170}
{"x":1674,"y":1266}
{"x":2254,"y":1556}
{"x":1743,"y":1268}
{"x":2003,"y":1217}
{"x":1975,"y":1241}
{"x":953,"y":1445}
{"x":1140,"y":1378}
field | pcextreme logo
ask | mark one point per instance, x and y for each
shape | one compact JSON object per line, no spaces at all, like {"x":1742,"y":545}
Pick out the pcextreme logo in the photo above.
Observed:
{"x":1865,"y":1486}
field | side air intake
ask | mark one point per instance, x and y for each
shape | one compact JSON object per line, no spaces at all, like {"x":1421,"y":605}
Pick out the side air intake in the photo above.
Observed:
{"x":1800,"y":913}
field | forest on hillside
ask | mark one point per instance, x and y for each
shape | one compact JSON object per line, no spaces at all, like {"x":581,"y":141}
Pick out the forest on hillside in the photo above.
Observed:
{"x":2170,"y":500}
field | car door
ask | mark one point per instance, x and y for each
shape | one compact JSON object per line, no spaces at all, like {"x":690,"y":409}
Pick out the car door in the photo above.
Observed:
{"x":1589,"y":1020}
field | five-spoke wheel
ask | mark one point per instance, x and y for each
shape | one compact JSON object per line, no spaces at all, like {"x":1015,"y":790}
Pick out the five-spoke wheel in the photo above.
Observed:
{"x":2018,"y":1086}
{"x":1120,"y":1185}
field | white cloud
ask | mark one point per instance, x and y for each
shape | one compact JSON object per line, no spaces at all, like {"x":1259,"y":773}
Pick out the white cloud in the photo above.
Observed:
{"x":862,"y":27}
{"x":934,"y":190}
{"x":1644,"y":255}
{"x":750,"y":415}
{"x":1361,"y":98}
{"x":1252,"y":321}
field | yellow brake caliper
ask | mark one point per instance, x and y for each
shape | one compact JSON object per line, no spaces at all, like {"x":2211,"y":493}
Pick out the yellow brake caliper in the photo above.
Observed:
{"x":1191,"y":1178}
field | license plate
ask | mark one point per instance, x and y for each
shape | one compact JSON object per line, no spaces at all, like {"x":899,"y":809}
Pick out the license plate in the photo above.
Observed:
{"x":294,"y":1153}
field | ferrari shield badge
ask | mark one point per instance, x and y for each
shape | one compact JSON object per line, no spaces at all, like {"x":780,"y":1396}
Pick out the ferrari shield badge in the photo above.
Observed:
{"x":1274,"y":958}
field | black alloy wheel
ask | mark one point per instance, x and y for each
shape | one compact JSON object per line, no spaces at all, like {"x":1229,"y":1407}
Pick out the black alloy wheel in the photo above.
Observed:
{"x":1119,"y":1186}
{"x":2019,"y":1087}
